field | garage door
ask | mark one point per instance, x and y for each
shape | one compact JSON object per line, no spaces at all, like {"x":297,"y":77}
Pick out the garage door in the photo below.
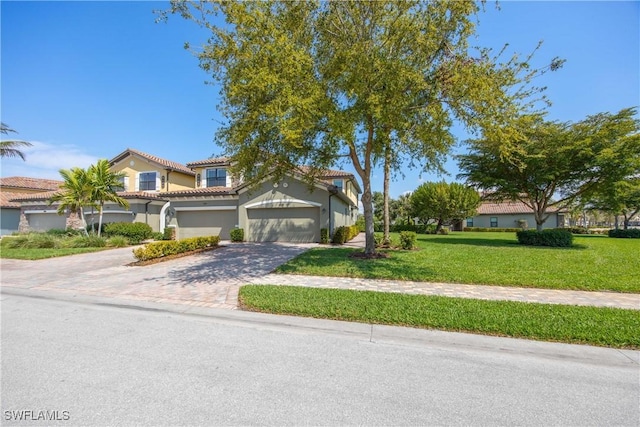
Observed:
{"x":206,"y":223}
{"x":300,"y":225}
{"x":46,"y":221}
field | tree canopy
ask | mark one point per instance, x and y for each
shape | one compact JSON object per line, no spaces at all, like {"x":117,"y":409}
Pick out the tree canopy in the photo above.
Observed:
{"x":315,"y":83}
{"x":11,"y":148}
{"x":444,"y":202}
{"x":552,"y":164}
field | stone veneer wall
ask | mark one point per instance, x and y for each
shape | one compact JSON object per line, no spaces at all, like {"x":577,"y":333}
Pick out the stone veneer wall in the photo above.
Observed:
{"x":73,"y":220}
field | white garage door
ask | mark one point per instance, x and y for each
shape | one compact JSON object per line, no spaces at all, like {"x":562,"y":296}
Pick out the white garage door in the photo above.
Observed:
{"x":46,"y":221}
{"x":206,"y":223}
{"x":298,"y":225}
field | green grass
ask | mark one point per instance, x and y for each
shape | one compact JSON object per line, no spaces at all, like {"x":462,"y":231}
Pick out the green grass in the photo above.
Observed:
{"x":42,"y":253}
{"x":610,"y":327}
{"x":595,"y":263}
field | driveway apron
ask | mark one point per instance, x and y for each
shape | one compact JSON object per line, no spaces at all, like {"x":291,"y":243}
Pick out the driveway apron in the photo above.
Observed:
{"x":207,"y":279}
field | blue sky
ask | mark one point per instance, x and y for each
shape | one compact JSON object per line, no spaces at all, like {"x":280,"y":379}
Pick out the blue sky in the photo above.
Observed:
{"x":86,"y":80}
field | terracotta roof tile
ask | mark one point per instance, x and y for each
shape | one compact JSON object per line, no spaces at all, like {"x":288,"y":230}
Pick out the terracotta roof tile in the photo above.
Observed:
{"x":497,"y":208}
{"x":155,"y":159}
{"x":30,"y":183}
{"x":141,"y":195}
{"x":5,"y":199}
{"x":211,"y":161}
{"x":26,"y":197}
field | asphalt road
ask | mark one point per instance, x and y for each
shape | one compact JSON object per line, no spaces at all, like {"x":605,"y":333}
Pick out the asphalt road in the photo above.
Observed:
{"x":98,"y":364}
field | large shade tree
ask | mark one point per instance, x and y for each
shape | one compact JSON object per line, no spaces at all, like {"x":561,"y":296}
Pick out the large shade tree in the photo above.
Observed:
{"x":12,"y":148}
{"x":552,"y":164}
{"x":442,"y":202}
{"x":317,"y":82}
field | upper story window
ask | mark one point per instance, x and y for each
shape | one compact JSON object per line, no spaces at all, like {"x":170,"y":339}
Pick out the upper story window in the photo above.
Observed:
{"x":216,"y":177}
{"x":338,"y":183}
{"x":124,"y":183}
{"x":147,"y":181}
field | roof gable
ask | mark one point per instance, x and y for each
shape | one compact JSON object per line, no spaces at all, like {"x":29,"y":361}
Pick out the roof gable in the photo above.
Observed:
{"x":164,"y":163}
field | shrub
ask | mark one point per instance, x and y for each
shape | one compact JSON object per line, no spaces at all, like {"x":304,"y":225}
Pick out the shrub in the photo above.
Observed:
{"x":65,"y":232}
{"x":352,"y":231}
{"x":324,"y":236}
{"x":136,"y":232}
{"x":416,"y":228}
{"x":558,"y":237}
{"x":90,"y":241}
{"x":156,"y":235}
{"x":172,"y":247}
{"x":407,"y":239}
{"x":117,"y":242}
{"x":237,"y":235}
{"x":360,"y":224}
{"x":339,"y":235}
{"x":492,"y":229}
{"x":631,"y":233}
{"x":378,"y":239}
{"x":93,"y":228}
{"x":169,"y":233}
{"x":579,"y":230}
{"x":32,"y":241}
{"x":444,"y":231}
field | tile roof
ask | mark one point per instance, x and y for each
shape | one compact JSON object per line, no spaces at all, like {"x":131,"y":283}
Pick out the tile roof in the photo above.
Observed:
{"x":5,"y":199}
{"x":506,"y":208}
{"x":141,"y":195}
{"x":30,"y":183}
{"x":211,"y":161}
{"x":200,"y":191}
{"x":32,"y":197}
{"x":328,"y":173}
{"x":155,"y":159}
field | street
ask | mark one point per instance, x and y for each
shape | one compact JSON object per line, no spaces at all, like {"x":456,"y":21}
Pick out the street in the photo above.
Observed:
{"x":101,"y":364}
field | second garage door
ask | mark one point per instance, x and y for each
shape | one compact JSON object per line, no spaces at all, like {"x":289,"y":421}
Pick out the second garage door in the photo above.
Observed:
{"x":300,"y":225}
{"x":206,"y":223}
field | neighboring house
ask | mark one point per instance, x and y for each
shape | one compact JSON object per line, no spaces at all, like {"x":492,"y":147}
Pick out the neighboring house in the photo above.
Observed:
{"x":203,"y":198}
{"x":510,"y":215}
{"x":10,"y":210}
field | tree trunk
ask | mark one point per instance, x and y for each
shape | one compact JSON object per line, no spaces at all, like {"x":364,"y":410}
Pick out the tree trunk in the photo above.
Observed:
{"x":439,"y":225}
{"x":100,"y":221}
{"x":84,"y":222}
{"x":367,"y":204}
{"x":387,"y":172}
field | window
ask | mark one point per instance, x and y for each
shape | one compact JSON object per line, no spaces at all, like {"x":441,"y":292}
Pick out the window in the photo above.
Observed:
{"x":338,"y":183}
{"x":147,"y":181}
{"x":124,"y":183}
{"x":494,"y":221}
{"x":469,"y":222}
{"x":216,"y":177}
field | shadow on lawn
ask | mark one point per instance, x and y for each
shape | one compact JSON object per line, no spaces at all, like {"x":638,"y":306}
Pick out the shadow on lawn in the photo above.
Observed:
{"x":492,"y":243}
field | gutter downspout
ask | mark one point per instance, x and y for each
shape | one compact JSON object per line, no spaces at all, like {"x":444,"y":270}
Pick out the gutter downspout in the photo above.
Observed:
{"x":333,"y":190}
{"x":168,"y":172}
{"x":146,"y":212}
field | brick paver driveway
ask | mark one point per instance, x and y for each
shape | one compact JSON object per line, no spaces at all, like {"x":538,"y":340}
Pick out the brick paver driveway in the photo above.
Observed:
{"x":208,"y":279}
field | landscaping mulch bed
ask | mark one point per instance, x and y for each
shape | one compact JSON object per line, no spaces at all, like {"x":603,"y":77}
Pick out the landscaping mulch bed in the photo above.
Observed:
{"x":170,"y":257}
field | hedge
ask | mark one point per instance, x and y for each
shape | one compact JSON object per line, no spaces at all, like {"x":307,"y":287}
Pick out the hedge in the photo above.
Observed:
{"x":324,"y":236}
{"x":136,"y":232}
{"x":557,"y":237}
{"x":407,"y":239}
{"x":631,"y":233}
{"x":344,"y":233}
{"x":173,"y":247}
{"x":490,"y":229}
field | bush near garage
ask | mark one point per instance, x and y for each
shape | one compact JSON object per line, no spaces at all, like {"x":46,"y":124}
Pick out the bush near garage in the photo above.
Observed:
{"x":173,"y":247}
{"x":237,"y":235}
{"x":136,"y":232}
{"x":557,"y":237}
{"x":631,"y":233}
{"x":494,"y":229}
{"x":344,"y":234}
{"x":324,"y":236}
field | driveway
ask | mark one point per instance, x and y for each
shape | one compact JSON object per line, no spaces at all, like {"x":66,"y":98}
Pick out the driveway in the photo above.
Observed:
{"x":208,"y":279}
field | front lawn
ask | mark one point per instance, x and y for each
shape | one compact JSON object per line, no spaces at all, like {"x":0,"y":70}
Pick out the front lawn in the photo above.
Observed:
{"x":42,"y":253}
{"x":596,"y":263}
{"x":609,"y":327}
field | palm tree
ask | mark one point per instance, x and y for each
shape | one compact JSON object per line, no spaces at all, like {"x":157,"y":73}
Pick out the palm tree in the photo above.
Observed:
{"x":74,"y":193}
{"x":104,"y":187}
{"x":11,"y":148}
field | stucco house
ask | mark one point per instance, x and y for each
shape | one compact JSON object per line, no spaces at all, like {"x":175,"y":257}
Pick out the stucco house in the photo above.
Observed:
{"x":18,"y":186}
{"x":203,"y":198}
{"x":509,"y":214}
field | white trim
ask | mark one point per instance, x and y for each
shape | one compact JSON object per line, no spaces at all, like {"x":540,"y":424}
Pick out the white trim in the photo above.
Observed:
{"x":163,"y":216}
{"x":41,"y":211}
{"x":270,"y":203}
{"x":205,"y":208}
{"x":106,"y":211}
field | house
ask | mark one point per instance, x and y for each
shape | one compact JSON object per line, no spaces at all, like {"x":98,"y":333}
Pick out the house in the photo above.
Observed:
{"x":10,"y":211}
{"x":512,"y":214}
{"x":203,"y":198}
